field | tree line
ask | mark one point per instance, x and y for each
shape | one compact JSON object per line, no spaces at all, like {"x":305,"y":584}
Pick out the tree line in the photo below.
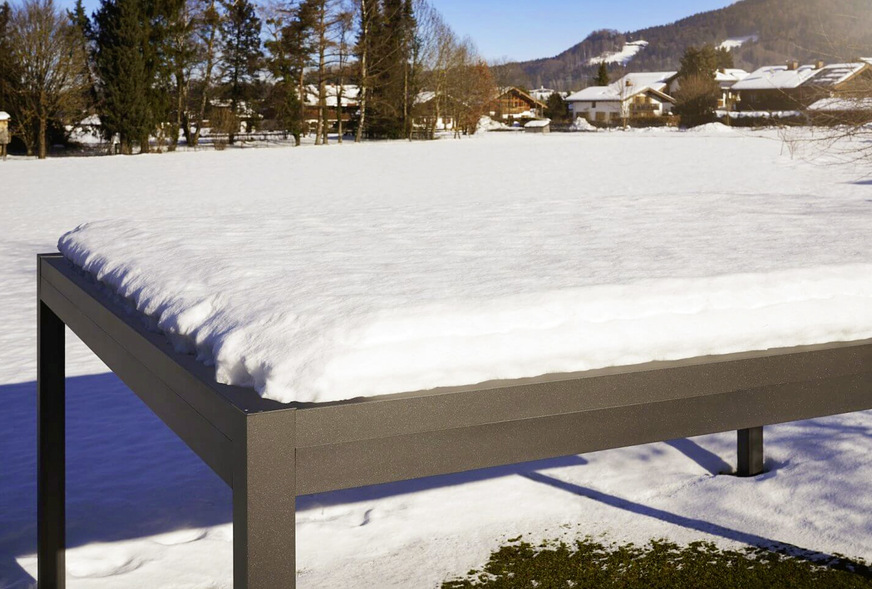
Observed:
{"x":162,"y":70}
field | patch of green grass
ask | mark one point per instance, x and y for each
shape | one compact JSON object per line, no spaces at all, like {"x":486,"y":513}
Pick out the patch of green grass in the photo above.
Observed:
{"x":659,"y":564}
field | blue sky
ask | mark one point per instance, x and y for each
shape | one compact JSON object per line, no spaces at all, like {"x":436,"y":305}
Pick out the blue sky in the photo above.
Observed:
{"x":527,"y":29}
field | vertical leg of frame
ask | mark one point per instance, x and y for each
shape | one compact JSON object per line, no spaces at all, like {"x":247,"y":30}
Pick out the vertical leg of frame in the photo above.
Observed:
{"x":750,"y":446}
{"x":50,"y":450}
{"x":264,"y":503}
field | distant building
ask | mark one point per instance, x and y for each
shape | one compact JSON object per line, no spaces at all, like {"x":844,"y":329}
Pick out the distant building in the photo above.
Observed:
{"x":835,"y":80}
{"x":795,"y":87}
{"x":635,"y":96}
{"x":773,"y":88}
{"x":513,"y":104}
{"x":830,"y":111}
{"x":4,"y":133}
{"x":432,"y":112}
{"x":349,"y":105}
{"x":542,"y":94}
{"x":538,"y":126}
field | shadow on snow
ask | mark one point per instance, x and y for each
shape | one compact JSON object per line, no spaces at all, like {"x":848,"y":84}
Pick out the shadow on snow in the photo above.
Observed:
{"x":129,"y":476}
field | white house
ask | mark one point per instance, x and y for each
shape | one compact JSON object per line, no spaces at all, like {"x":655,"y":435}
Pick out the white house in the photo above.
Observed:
{"x":635,"y":96}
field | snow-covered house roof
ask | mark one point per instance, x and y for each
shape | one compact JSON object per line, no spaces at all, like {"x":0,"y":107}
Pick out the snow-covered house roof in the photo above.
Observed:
{"x":535,"y":102}
{"x":242,"y":107}
{"x":627,"y":87}
{"x":538,"y":123}
{"x":730,"y":75}
{"x":90,"y":121}
{"x":841,"y":105}
{"x":594,"y":93}
{"x":835,"y":74}
{"x":4,"y":116}
{"x":776,"y":77}
{"x":542,"y":93}
{"x":350,"y":94}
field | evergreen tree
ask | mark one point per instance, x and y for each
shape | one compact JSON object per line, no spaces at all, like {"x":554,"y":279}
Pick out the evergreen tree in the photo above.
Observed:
{"x":704,"y":61}
{"x":697,"y":96}
{"x":602,"y":75}
{"x":289,"y":54}
{"x":391,"y":71}
{"x":80,"y":20}
{"x":129,"y":56}
{"x":240,"y":51}
{"x":557,"y":109}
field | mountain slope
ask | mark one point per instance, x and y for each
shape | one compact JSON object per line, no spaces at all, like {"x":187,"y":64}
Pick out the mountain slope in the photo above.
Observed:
{"x":806,"y":30}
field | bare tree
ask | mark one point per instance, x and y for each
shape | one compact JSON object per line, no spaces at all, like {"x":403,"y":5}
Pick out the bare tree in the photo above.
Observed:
{"x":208,"y":26}
{"x":184,"y":53}
{"x":46,"y":47}
{"x":366,"y":14}
{"x":344,"y":26}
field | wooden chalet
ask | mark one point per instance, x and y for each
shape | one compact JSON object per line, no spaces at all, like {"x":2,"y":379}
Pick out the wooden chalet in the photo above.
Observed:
{"x":513,"y":104}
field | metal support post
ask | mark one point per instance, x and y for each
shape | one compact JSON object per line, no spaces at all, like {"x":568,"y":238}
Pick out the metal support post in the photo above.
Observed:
{"x":264,"y":503}
{"x":750,"y":447}
{"x":51,"y":525}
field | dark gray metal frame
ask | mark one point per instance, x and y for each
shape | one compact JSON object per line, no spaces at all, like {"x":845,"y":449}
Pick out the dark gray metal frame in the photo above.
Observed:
{"x":270,"y":452}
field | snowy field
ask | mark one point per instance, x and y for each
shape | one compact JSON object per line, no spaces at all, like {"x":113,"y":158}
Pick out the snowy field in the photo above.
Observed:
{"x":142,"y":510}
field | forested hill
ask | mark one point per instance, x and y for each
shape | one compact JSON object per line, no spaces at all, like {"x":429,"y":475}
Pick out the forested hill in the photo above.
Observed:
{"x":806,"y":30}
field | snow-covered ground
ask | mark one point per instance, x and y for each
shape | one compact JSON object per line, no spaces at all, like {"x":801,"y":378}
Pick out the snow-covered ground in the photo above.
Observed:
{"x":622,"y":57}
{"x":736,"y":42}
{"x":143,"y":512}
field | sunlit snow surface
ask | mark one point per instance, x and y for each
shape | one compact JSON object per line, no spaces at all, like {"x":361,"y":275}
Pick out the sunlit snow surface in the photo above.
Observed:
{"x":143,"y":511}
{"x":336,"y":300}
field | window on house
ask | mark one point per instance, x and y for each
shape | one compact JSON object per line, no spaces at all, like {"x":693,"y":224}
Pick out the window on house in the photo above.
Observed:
{"x":593,"y":104}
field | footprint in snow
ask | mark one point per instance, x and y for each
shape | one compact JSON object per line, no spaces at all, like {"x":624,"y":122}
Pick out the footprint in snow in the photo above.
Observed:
{"x":101,"y":561}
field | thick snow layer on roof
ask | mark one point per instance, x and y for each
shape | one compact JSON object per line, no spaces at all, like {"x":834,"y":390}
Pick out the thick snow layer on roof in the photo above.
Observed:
{"x":776,"y":77}
{"x":411,"y":284}
{"x":623,"y":57}
{"x":537,"y":123}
